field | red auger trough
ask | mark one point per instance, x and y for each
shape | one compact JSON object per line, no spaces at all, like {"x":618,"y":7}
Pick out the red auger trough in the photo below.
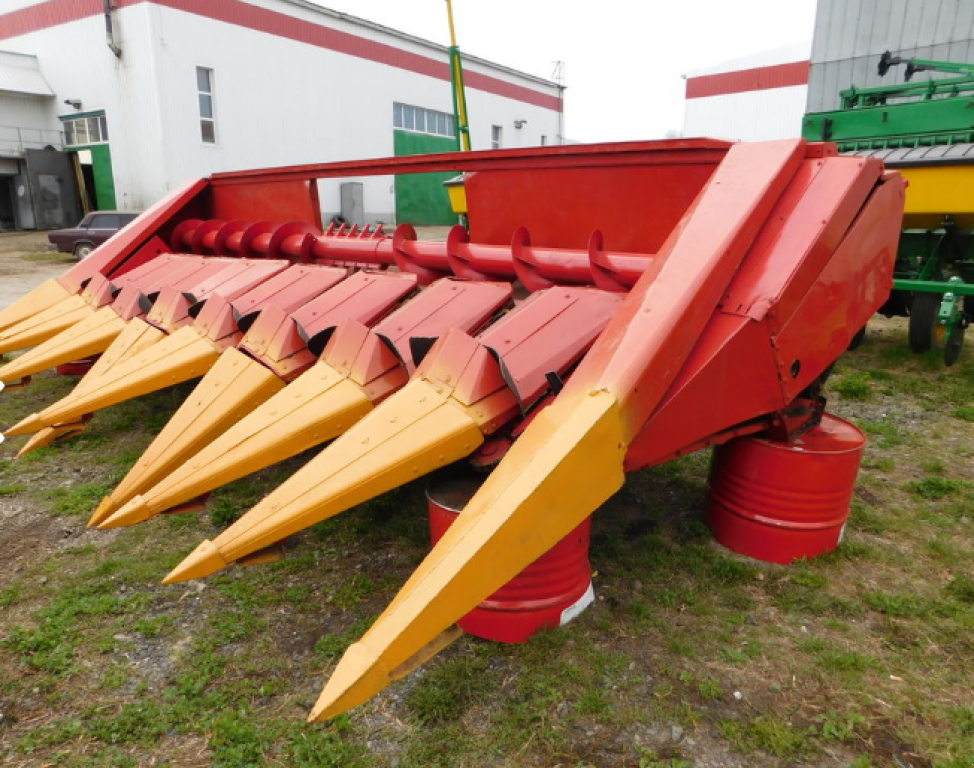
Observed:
{"x":608,"y":308}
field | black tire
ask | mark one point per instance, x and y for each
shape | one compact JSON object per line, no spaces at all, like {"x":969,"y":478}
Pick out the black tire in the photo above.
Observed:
{"x":83,"y":250}
{"x":856,"y":341}
{"x":925,"y":333}
{"x":955,"y":343}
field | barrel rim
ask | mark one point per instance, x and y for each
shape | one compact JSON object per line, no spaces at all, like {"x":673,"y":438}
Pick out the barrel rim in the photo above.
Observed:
{"x":780,"y":446}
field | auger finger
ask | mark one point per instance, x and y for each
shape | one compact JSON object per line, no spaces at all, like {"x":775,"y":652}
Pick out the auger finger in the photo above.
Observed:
{"x":45,"y":324}
{"x":46,"y":295}
{"x":90,"y":336}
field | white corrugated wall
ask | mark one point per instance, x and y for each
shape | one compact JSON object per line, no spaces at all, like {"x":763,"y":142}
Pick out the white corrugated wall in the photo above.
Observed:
{"x":750,"y":116}
{"x":851,"y":35}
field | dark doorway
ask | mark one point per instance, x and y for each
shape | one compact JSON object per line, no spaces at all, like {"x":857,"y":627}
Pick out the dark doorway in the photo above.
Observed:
{"x":88,"y":177}
{"x":7,"y":220}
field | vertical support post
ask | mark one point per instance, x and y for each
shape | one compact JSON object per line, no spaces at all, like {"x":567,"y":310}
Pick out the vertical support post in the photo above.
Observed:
{"x":460,"y":122}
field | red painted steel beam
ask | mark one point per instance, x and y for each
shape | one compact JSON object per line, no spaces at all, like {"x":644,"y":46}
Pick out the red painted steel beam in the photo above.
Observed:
{"x":670,"y":152}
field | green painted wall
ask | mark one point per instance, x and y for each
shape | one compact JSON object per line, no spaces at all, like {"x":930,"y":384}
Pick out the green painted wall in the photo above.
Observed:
{"x":421,"y":198}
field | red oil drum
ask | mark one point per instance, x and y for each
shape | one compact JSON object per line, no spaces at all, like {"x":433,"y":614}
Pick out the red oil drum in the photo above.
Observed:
{"x":77,"y":367}
{"x":781,"y":501}
{"x":550,"y":592}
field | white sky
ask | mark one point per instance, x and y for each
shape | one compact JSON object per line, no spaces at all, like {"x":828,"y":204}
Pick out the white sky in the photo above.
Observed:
{"x":623,"y":58}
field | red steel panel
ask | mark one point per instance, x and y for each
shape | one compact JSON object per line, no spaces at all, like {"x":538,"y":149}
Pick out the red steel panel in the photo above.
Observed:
{"x":221,"y":276}
{"x":446,"y":304}
{"x":682,"y":152}
{"x":281,"y":341}
{"x":224,"y":319}
{"x":848,"y":291}
{"x":286,"y":200}
{"x":714,"y":391}
{"x":547,"y":333}
{"x":237,"y":277}
{"x":823,"y":200}
{"x":743,"y":80}
{"x":110,"y":257}
{"x":290,"y":289}
{"x":635,"y":207}
{"x":365,"y":296}
{"x":646,"y":344}
{"x":729,"y":377}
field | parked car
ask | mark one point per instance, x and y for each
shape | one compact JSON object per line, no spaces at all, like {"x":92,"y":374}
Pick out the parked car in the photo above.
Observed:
{"x":94,"y":229}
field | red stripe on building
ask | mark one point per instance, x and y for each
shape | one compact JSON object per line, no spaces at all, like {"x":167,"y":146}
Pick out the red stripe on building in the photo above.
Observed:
{"x":45,"y":15}
{"x":757,"y":79}
{"x":55,"y":12}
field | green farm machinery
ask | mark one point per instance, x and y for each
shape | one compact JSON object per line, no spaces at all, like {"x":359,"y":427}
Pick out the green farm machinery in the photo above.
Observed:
{"x":925,"y":130}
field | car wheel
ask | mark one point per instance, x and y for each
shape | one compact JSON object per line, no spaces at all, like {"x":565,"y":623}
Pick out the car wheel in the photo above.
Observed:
{"x":83,"y":250}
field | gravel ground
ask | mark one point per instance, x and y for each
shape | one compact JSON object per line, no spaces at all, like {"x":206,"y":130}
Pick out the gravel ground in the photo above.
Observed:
{"x":18,"y":276}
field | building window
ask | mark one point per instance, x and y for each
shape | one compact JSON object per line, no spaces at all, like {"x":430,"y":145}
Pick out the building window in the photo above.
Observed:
{"x":496,"y":136}
{"x":409,"y":118}
{"x":544,"y":140}
{"x":204,"y":88}
{"x":84,"y":131}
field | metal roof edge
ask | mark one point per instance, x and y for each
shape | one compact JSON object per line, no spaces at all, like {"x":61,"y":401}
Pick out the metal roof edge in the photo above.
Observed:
{"x":358,"y":21}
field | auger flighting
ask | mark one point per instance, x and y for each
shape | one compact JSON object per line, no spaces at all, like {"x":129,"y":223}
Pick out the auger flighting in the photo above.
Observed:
{"x":739,"y":274}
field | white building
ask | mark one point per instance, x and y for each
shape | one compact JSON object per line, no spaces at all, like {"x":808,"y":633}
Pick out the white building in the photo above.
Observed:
{"x":183,"y":88}
{"x":756,"y":98}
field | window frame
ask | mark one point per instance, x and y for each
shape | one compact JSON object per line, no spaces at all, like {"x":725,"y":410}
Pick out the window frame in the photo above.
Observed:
{"x":496,"y":137}
{"x":210,"y":95}
{"x":406,"y":117}
{"x":85,"y":130}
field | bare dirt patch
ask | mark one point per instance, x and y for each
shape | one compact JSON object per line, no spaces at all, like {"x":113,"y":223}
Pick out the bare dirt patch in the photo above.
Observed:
{"x":25,"y":262}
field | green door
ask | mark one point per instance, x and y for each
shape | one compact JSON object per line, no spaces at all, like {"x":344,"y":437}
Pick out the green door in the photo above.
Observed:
{"x":421,"y":198}
{"x":101,"y":166}
{"x":88,"y":133}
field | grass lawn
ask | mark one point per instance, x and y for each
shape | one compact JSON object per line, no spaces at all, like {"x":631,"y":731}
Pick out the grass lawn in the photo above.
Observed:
{"x":691,"y":656}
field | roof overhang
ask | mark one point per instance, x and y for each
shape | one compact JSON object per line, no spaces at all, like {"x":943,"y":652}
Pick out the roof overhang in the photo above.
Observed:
{"x":21,"y":74}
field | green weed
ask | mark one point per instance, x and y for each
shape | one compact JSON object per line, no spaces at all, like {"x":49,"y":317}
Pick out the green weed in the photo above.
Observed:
{"x":709,"y":690}
{"x":449,"y":689}
{"x":835,"y":727}
{"x":79,"y":500}
{"x":963,"y":719}
{"x":9,"y":594}
{"x":852,"y":386}
{"x":898,"y":605}
{"x":330,"y":647}
{"x":961,"y":588}
{"x":767,"y":733}
{"x":888,"y":433}
{"x":845,"y":661}
{"x":353,"y":591}
{"x":964,"y":412}
{"x":933,"y":487}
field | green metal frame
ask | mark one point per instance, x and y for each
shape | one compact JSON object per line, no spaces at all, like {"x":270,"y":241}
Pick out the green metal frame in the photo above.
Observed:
{"x":920,"y":114}
{"x":914,"y":114}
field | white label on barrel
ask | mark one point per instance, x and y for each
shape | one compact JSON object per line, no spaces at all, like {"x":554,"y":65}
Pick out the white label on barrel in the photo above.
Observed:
{"x":578,"y":606}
